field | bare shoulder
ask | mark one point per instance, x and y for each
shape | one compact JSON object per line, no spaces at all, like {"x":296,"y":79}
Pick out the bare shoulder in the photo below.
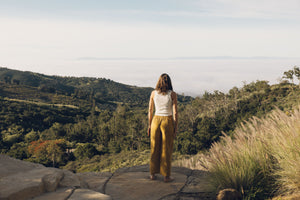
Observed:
{"x":152,"y":94}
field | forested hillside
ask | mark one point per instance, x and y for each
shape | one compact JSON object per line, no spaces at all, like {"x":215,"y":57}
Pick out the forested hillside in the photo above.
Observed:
{"x":69,"y":90}
{"x":72,"y":121}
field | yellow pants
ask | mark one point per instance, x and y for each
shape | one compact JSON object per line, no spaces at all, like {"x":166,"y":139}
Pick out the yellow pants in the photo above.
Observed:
{"x":162,"y":136}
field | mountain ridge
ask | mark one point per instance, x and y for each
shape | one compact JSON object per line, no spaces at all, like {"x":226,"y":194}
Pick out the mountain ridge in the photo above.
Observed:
{"x":101,"y":90}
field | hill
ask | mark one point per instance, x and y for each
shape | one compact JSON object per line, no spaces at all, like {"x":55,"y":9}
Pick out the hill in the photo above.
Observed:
{"x":66,"y":120}
{"x":78,"y":91}
{"x":70,"y":90}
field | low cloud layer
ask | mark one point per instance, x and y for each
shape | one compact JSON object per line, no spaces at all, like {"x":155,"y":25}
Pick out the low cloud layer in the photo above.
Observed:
{"x":203,"y":44}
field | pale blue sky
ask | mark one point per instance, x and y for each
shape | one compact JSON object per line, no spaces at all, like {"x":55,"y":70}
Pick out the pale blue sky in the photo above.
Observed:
{"x":209,"y":44}
{"x":211,"y":13}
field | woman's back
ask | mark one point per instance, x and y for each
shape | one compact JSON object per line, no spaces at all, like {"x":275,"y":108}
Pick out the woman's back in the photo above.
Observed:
{"x":163,"y":103}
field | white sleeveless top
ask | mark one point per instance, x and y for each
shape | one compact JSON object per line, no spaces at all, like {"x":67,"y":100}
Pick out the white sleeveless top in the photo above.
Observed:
{"x":163,"y":104}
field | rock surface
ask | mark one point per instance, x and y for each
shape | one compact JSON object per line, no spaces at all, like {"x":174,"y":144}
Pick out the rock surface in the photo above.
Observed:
{"x":87,"y":194}
{"x":24,"y":180}
{"x":136,"y":182}
{"x":229,"y":194}
{"x":94,"y":181}
{"x":60,"y":194}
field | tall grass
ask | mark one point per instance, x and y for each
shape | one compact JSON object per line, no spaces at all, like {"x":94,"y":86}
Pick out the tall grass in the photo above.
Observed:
{"x":285,"y":147}
{"x":262,"y":158}
{"x":242,"y":163}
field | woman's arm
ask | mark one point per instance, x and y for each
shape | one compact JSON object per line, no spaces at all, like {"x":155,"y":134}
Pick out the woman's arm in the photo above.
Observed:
{"x":150,"y":112}
{"x":175,"y":114}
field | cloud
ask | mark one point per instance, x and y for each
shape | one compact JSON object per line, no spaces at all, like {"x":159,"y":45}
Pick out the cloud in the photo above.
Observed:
{"x":189,"y":76}
{"x":40,"y":40}
{"x":193,"y":12}
{"x":254,"y":9}
{"x":265,"y":9}
{"x":182,"y":58}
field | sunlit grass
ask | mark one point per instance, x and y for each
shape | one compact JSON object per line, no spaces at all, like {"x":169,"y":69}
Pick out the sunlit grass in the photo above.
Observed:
{"x":262,"y":158}
{"x":41,"y":103}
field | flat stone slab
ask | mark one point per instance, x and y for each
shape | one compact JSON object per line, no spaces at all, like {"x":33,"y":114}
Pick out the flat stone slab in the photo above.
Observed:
{"x":60,"y":194}
{"x":23,"y":180}
{"x":9,"y":166}
{"x":137,"y":185}
{"x":86,"y":194}
{"x":24,"y":185}
{"x":93,"y":180}
{"x":69,"y":180}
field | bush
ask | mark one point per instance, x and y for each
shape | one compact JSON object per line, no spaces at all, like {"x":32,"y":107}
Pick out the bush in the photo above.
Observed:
{"x":19,"y":151}
{"x":85,"y":151}
{"x":262,"y":157}
{"x":114,"y":146}
{"x":11,"y":139}
{"x":31,"y":136}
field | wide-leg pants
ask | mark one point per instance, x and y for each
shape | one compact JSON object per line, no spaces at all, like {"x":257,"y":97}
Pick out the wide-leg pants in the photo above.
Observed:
{"x":162,"y":137}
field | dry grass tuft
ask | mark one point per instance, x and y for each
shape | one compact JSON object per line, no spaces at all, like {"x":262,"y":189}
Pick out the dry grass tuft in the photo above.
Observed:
{"x":261,"y":159}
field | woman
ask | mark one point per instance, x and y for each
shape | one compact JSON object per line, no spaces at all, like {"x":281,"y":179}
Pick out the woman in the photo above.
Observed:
{"x":162,"y":127}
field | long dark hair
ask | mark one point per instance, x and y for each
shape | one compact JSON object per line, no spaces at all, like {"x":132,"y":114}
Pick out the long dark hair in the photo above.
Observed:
{"x":164,"y":84}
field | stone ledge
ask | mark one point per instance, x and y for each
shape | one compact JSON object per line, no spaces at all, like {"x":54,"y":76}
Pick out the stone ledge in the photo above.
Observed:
{"x":86,"y":194}
{"x":9,"y":166}
{"x":132,"y":183}
{"x":60,"y":194}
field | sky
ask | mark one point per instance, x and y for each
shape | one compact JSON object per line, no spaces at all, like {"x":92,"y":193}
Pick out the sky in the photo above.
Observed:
{"x":204,"y":45}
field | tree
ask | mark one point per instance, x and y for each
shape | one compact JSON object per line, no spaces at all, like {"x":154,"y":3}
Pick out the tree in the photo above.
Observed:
{"x":48,"y":151}
{"x":190,"y":114}
{"x":1,"y":143}
{"x":18,"y":150}
{"x":31,"y":136}
{"x":54,"y":132}
{"x":297,"y":73}
{"x":55,"y":149}
{"x":289,"y":75}
{"x":7,"y":79}
{"x":85,"y":151}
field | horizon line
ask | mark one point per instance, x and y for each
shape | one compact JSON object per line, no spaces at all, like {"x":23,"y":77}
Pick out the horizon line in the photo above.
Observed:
{"x":188,"y":58}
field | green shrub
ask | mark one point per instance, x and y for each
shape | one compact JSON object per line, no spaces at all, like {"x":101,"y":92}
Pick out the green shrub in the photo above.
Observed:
{"x":11,"y":139}
{"x":85,"y":151}
{"x":19,"y":151}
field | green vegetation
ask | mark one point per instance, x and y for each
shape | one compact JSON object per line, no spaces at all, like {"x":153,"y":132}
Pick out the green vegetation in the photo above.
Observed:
{"x":207,"y":117}
{"x":261,"y":159}
{"x":89,"y":124}
{"x":93,"y":116}
{"x":114,"y":161}
{"x":109,"y":162}
{"x":48,"y":151}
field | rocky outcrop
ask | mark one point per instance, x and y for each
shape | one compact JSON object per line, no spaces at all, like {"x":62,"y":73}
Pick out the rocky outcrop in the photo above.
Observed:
{"x":229,"y":194}
{"x":20,"y":180}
